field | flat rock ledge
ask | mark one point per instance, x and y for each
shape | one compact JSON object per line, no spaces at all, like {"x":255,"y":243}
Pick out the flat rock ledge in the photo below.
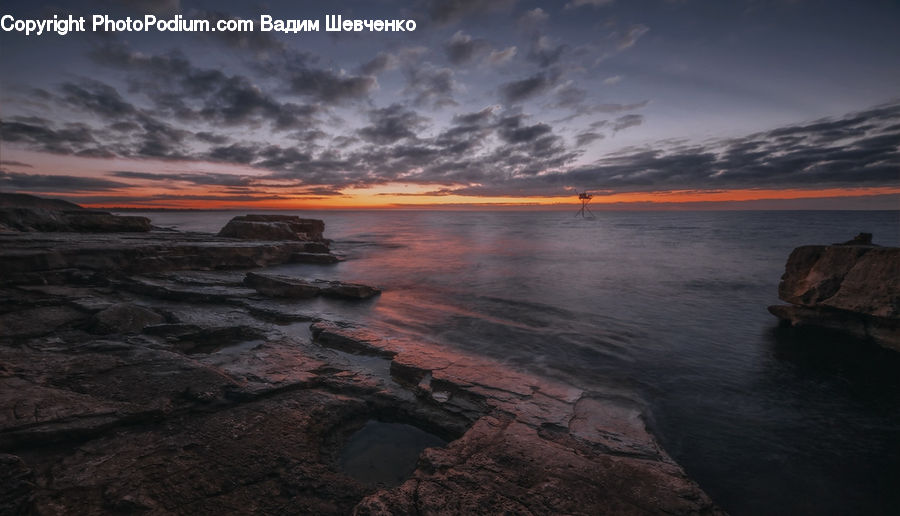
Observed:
{"x":274,"y":227}
{"x":283,"y":286}
{"x":853,"y":288}
{"x":180,"y":393}
{"x":59,"y":258}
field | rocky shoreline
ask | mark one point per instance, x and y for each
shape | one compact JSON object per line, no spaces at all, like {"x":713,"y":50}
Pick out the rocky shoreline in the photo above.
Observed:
{"x":169,"y":373}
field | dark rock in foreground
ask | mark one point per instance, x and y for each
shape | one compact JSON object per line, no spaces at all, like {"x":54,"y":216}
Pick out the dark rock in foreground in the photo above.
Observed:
{"x":274,"y":227}
{"x":20,"y":212}
{"x":852,"y":287}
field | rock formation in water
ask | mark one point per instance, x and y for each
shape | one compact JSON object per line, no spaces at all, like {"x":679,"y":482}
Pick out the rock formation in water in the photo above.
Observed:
{"x":852,"y":287}
{"x":138,"y":373}
{"x":20,"y":212}
{"x":274,"y":227}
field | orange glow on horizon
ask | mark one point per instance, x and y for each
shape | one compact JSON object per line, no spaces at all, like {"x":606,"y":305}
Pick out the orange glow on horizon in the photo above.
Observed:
{"x":416,"y":196}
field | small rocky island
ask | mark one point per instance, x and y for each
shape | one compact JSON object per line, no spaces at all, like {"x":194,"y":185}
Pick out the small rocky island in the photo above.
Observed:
{"x":851,"y":287}
{"x":150,"y":370}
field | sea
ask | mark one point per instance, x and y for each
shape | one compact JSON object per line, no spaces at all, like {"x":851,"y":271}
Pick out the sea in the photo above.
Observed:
{"x":665,"y":308}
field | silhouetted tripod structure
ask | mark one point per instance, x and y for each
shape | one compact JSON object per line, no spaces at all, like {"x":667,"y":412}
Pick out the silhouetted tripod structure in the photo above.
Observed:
{"x":585,"y":198}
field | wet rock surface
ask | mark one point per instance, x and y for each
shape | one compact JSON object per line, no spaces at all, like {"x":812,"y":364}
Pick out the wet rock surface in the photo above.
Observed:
{"x":282,"y":286}
{"x":853,"y":287}
{"x":157,"y":386}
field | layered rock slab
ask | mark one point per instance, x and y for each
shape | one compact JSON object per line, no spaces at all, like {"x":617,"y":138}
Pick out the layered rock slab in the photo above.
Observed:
{"x":274,"y":227}
{"x":853,"y":288}
{"x":289,"y":287}
{"x":42,"y":258}
{"x":535,"y":446}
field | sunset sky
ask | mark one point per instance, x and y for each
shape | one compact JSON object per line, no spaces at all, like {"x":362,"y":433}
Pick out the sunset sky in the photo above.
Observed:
{"x":782,"y":104}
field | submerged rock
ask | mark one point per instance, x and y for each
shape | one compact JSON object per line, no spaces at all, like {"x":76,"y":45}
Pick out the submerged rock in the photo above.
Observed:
{"x":853,"y":287}
{"x":273,"y":227}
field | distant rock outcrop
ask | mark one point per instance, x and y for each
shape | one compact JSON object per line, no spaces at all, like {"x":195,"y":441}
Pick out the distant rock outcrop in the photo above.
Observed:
{"x":21,"y":212}
{"x":274,"y":227}
{"x":852,"y":287}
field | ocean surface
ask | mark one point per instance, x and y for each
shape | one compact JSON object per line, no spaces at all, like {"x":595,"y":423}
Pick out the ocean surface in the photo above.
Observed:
{"x":667,"y":308}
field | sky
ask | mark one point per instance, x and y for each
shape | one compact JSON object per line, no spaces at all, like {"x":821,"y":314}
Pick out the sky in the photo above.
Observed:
{"x":646,"y":104}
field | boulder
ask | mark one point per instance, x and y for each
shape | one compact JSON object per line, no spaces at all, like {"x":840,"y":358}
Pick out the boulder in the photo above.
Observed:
{"x":124,"y":318}
{"x":274,"y":227}
{"x":853,"y":287}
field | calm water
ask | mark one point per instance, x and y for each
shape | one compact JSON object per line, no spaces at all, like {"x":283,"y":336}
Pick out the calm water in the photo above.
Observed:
{"x":669,"y":308}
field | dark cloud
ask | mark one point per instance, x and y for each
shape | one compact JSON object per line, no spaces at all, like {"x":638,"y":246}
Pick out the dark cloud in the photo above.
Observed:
{"x":97,"y":97}
{"x":234,"y":153}
{"x":587,"y":137}
{"x":430,"y":86}
{"x":391,"y":124}
{"x":449,"y":11}
{"x":545,"y":52}
{"x":41,"y":134}
{"x":202,"y":179}
{"x":15,"y":164}
{"x":329,"y":87}
{"x":54,"y":183}
{"x":147,"y":138}
{"x":571,"y":97}
{"x":384,"y":61}
{"x":159,"y":73}
{"x":380,"y":63}
{"x":462,"y":48}
{"x":257,"y":42}
{"x":799,"y":156}
{"x":616,"y":108}
{"x":626,"y":121}
{"x":479,"y":117}
{"x":208,"y":137}
{"x":593,"y":3}
{"x":512,"y":130}
{"x":523,"y":89}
